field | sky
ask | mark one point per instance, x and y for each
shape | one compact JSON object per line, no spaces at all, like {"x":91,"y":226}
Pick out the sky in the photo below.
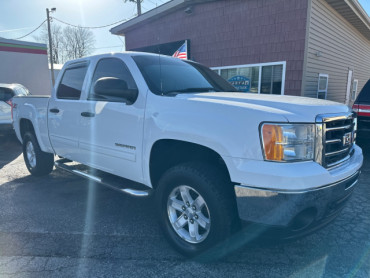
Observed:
{"x":19,"y":17}
{"x":366,"y":5}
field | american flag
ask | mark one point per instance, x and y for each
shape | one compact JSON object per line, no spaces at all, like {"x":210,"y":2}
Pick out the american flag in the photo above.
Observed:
{"x":182,"y":52}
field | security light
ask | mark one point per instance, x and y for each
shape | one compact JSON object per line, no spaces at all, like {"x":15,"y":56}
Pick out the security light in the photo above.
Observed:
{"x":189,"y":10}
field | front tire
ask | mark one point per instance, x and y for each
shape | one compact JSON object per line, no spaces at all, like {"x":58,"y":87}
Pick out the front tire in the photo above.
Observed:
{"x":196,"y":208}
{"x":38,"y":163}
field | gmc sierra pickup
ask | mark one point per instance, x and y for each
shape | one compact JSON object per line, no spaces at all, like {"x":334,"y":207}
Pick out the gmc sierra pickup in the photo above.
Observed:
{"x":147,"y":124}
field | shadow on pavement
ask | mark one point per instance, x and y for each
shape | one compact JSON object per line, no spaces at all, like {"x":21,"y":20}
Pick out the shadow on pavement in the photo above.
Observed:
{"x":10,"y":149}
{"x":64,"y":217}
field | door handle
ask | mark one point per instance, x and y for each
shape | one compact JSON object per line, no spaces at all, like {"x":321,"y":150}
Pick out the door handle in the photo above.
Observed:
{"x":54,"y":110}
{"x":88,"y":114}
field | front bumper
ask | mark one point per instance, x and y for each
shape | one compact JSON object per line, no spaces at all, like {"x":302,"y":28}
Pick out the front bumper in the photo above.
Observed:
{"x":295,"y":210}
{"x":295,"y":196}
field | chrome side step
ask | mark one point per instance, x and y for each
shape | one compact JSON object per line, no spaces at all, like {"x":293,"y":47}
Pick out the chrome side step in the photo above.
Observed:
{"x":114,"y":182}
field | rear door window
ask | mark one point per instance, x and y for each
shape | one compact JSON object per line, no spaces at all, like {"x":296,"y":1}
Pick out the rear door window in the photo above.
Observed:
{"x":72,"y":81}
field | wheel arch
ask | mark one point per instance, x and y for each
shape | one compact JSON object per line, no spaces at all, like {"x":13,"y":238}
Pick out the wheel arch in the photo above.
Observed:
{"x":26,"y":125}
{"x":166,"y":153}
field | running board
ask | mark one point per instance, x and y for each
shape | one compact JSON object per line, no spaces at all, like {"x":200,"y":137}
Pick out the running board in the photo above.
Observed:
{"x":108,"y":180}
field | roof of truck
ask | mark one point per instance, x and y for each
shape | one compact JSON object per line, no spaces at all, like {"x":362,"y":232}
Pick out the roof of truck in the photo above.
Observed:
{"x":9,"y":85}
{"x":111,"y":54}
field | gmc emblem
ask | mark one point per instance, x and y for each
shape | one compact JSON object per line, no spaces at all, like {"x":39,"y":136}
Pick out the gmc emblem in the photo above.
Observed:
{"x":347,"y":139}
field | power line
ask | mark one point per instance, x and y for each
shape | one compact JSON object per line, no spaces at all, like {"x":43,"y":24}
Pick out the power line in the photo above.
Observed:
{"x":89,"y":27}
{"x":155,"y":3}
{"x":108,"y":46}
{"x":17,"y":29}
{"x":34,"y":30}
{"x":123,"y":43}
{"x":133,"y":11}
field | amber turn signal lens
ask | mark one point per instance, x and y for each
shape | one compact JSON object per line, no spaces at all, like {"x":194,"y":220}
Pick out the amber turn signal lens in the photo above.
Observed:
{"x":272,"y":140}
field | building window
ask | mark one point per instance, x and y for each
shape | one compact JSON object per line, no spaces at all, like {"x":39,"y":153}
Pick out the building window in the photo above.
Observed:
{"x":322,"y":86}
{"x":245,"y":79}
{"x":354,"y":89}
{"x":271,"y":79}
{"x":265,"y":78}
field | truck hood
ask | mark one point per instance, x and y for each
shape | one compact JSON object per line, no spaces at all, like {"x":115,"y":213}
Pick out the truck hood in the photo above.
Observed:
{"x":294,"y":109}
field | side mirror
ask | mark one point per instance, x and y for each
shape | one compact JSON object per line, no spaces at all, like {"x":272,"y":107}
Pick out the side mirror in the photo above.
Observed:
{"x":115,"y":90}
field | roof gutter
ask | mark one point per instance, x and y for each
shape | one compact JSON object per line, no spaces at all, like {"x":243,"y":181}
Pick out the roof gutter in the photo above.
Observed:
{"x":359,"y":11}
{"x":153,"y":14}
{"x":353,"y":12}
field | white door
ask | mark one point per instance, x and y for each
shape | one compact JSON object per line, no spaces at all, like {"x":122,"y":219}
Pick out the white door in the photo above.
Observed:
{"x":63,"y":112}
{"x":349,"y":84}
{"x":111,"y":126}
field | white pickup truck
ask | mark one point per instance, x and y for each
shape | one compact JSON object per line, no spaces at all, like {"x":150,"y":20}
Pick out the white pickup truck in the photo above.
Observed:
{"x":147,"y":125}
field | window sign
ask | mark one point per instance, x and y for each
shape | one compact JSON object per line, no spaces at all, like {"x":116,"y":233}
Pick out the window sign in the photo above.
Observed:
{"x":264,"y":78}
{"x":241,"y":83}
{"x":244,"y":79}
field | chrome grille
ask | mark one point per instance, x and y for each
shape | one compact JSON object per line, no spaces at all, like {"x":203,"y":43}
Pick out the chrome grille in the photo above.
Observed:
{"x":337,"y":138}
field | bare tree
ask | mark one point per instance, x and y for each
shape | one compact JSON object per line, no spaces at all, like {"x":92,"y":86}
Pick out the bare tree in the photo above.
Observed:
{"x":57,"y":41}
{"x":78,"y":42}
{"x":68,"y":43}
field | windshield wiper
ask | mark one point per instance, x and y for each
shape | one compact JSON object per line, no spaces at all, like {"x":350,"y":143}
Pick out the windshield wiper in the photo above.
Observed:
{"x":190,"y":90}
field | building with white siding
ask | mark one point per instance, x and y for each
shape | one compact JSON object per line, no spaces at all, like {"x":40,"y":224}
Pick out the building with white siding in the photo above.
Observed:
{"x":337,"y":50}
{"x":314,"y":48}
{"x":25,"y":63}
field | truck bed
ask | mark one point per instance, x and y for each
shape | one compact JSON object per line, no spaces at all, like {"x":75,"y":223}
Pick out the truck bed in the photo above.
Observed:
{"x":34,"y":109}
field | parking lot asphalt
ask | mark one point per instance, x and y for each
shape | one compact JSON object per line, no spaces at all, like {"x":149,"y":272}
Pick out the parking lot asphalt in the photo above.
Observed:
{"x":64,"y":226}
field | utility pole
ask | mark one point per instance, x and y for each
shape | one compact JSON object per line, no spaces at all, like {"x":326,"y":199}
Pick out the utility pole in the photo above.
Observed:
{"x":138,"y":3}
{"x":50,"y":46}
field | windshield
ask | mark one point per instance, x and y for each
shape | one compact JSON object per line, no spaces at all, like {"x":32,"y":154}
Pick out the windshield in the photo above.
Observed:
{"x":166,"y":75}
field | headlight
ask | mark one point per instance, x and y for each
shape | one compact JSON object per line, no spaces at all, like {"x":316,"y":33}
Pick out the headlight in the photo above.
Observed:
{"x":288,"y":142}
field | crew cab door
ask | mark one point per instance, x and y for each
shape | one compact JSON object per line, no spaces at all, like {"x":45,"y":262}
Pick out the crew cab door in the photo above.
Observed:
{"x":111,"y":120}
{"x":63,"y":111}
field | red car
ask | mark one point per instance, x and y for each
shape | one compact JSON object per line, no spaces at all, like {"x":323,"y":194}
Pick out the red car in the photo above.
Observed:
{"x":362,"y":108}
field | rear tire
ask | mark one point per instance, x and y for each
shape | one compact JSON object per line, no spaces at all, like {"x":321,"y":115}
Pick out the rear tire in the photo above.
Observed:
{"x":196,"y":209}
{"x":38,"y":163}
